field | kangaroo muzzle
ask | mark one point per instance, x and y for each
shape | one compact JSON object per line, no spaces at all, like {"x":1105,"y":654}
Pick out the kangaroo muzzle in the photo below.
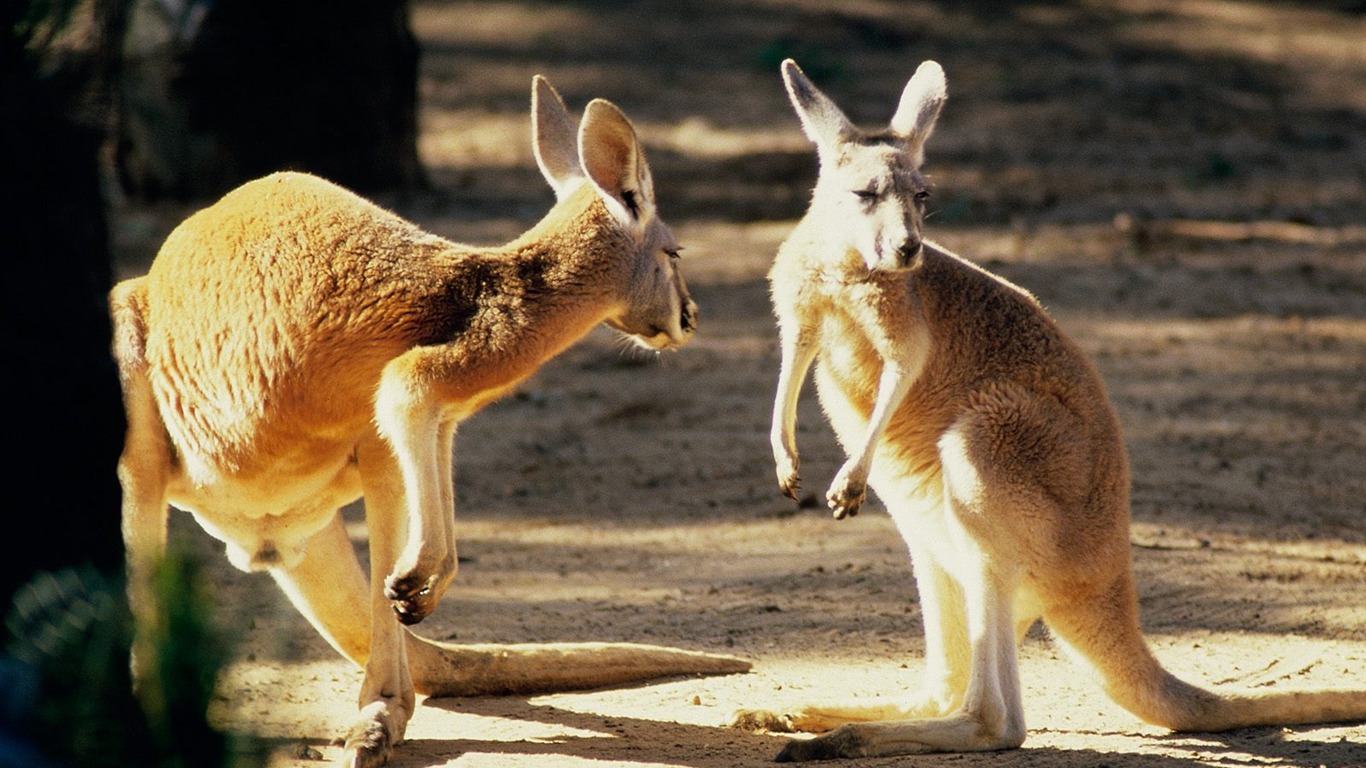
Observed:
{"x":908,"y":251}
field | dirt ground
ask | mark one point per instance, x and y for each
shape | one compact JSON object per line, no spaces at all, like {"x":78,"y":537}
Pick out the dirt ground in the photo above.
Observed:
{"x":1182,"y":183}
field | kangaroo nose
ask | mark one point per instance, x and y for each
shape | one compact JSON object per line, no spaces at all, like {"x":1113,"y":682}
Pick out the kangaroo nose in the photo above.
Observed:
{"x":908,"y":251}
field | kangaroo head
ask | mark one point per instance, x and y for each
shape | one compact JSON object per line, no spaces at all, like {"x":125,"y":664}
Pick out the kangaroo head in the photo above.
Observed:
{"x":870,"y":189}
{"x":655,"y":309}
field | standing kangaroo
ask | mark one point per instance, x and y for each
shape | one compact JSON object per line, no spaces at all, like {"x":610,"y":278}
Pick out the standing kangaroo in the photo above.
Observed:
{"x":294,"y":347}
{"x":991,"y":440}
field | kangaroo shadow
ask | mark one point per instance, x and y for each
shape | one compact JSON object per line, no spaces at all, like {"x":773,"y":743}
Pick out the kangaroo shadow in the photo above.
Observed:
{"x":574,"y":736}
{"x":595,"y":737}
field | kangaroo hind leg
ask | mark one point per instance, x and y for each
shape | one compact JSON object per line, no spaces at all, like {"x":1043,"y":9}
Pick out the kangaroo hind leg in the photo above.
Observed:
{"x":972,"y":574}
{"x":944,"y":681}
{"x":144,"y":469}
{"x":330,"y":589}
{"x":991,"y":714}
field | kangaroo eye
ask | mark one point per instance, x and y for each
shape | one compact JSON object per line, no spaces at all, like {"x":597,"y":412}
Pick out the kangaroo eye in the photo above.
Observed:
{"x":866,"y":195}
{"x":922,"y":195}
{"x":672,"y":253}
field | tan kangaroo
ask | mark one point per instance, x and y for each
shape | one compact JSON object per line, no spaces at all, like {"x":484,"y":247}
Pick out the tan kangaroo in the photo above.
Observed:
{"x":990,"y":439}
{"x":293,"y":347}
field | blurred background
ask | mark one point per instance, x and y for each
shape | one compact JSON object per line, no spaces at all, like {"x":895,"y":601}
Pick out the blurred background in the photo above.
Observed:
{"x":1140,"y":158}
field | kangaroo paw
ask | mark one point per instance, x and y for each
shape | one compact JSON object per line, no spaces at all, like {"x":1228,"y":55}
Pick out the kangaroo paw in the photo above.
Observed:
{"x":840,"y":743}
{"x":370,"y":742}
{"x":412,"y":597}
{"x":845,"y":501}
{"x":789,"y":479}
{"x":761,"y":721}
{"x":848,"y":491}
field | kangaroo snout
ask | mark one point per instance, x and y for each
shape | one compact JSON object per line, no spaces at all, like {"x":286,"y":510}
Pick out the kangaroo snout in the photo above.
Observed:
{"x":672,"y":338}
{"x":907,"y":252}
{"x":893,"y":254}
{"x":670,"y":331}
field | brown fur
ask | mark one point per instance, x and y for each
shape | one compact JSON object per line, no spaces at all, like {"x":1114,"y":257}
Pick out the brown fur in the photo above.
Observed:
{"x":992,"y":442}
{"x":295,"y":347}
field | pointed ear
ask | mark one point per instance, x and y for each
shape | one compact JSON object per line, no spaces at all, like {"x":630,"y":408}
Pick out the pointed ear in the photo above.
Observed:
{"x":554,"y":139}
{"x":822,"y":121}
{"x":921,"y":102}
{"x":615,"y":164}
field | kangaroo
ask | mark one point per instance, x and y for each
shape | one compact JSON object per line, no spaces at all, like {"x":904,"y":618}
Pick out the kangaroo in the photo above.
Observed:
{"x":294,"y":347}
{"x":992,"y":442}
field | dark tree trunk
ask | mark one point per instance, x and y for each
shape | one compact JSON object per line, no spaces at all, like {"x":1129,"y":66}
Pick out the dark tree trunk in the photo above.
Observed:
{"x":217,"y":92}
{"x":64,"y":417}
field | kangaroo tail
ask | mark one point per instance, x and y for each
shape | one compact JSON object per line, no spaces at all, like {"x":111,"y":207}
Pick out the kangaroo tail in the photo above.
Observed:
{"x":1240,"y":709}
{"x":1102,"y":631}
{"x":444,"y":669}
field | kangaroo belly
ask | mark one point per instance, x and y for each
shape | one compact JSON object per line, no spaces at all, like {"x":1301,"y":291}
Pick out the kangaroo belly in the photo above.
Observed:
{"x":265,"y":519}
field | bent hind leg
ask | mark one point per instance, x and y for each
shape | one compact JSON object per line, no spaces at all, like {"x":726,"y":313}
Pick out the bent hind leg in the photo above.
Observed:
{"x":948,"y":646}
{"x":144,"y":469}
{"x":944,"y":681}
{"x":991,"y":713}
{"x":330,"y":589}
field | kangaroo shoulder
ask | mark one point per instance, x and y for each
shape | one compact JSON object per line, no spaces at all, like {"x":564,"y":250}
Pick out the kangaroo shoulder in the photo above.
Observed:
{"x":957,"y":282}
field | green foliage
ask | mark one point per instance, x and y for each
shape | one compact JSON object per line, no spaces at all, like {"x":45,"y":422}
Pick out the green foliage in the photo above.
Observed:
{"x":181,"y":677}
{"x":73,"y":631}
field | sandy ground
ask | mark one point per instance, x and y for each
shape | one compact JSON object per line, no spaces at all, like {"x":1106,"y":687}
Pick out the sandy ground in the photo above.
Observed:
{"x":627,"y":497}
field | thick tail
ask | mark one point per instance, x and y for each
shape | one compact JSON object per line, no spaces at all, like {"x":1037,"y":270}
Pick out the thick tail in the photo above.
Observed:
{"x":328,"y":585}
{"x":1241,"y":709}
{"x":443,"y":669}
{"x":1102,"y":631}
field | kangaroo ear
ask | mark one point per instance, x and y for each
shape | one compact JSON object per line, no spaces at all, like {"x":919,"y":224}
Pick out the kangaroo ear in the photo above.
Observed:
{"x":822,"y":121}
{"x":554,"y":139}
{"x":921,"y":101}
{"x":615,"y":164}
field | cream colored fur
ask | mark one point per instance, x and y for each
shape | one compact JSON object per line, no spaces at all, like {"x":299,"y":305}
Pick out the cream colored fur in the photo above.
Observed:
{"x":293,"y":347}
{"x":991,"y":440}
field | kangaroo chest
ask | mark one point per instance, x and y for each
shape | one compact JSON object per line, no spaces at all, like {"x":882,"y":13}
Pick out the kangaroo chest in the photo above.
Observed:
{"x":862,"y":328}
